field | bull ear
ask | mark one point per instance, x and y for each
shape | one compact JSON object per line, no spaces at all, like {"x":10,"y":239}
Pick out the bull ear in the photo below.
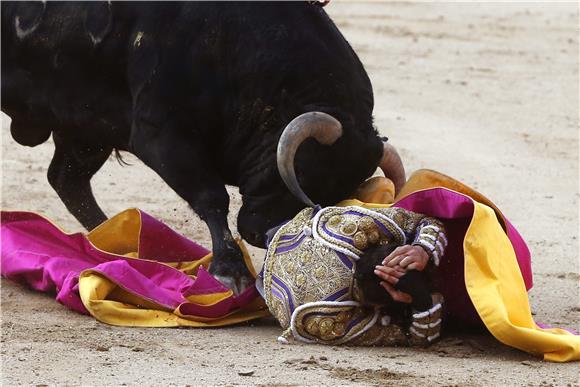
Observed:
{"x":98,"y":20}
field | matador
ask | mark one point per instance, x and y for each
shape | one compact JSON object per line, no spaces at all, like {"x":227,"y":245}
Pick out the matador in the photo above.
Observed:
{"x":309,"y":280}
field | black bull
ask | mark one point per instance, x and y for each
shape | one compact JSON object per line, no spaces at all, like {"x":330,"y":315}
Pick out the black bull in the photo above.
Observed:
{"x":201,"y":93}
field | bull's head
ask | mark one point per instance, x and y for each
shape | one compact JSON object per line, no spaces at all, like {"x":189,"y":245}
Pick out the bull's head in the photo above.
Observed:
{"x":329,"y":177}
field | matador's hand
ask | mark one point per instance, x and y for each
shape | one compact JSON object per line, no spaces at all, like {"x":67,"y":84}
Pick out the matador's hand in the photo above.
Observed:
{"x":408,"y":258}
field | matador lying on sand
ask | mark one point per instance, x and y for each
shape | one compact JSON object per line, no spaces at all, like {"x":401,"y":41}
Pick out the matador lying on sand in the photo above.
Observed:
{"x":320,"y":281}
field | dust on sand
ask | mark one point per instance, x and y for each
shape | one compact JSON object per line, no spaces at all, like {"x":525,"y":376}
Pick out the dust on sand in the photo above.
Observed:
{"x":487,"y":93}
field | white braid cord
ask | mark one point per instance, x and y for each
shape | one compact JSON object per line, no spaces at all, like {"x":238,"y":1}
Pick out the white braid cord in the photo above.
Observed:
{"x":426,"y":313}
{"x":326,"y":243}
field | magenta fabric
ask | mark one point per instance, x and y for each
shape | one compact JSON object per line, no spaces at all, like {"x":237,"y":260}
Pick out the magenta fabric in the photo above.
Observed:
{"x":456,"y":211}
{"x":37,"y":253}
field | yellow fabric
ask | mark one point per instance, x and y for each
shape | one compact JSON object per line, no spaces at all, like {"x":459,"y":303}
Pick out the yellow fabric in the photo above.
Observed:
{"x":492,"y":275}
{"x":108,"y":302}
{"x":118,"y":235}
{"x":376,"y":190}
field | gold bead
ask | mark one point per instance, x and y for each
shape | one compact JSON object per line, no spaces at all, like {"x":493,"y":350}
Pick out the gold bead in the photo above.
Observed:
{"x":334,"y":220}
{"x":325,"y":327}
{"x":366,"y":224}
{"x":312,"y":326}
{"x":342,"y":317}
{"x":349,"y":229}
{"x":339,"y":329}
{"x":360,"y":240}
{"x":373,"y":236}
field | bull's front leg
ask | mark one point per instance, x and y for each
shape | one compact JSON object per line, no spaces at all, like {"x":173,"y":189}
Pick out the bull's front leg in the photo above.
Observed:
{"x":228,"y":264}
{"x":187,"y":168}
{"x":70,"y":172}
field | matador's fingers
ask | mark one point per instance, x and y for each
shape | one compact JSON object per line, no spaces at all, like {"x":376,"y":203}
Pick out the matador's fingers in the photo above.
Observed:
{"x":398,"y":251}
{"x":397,"y":295}
{"x":390,"y":278}
{"x":413,"y":258}
{"x":395,"y":261}
{"x":416,"y":266}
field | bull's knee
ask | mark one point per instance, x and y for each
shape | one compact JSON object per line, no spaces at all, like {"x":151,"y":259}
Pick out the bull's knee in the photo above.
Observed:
{"x":71,"y":181}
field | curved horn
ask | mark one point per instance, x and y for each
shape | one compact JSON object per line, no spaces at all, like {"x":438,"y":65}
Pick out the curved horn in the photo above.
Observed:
{"x":323,"y":127}
{"x":392,"y":166}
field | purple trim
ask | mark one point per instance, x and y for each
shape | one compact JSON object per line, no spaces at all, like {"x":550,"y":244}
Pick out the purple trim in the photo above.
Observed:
{"x":284,"y":249}
{"x":288,"y":237}
{"x":353,"y":323}
{"x":287,"y":241}
{"x":345,"y":260}
{"x":286,"y":290}
{"x":277,"y":294}
{"x":336,"y":295}
{"x":336,"y":236}
{"x":384,"y":229}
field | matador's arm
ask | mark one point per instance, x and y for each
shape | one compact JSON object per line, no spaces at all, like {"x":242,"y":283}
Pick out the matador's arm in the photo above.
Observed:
{"x":420,"y":230}
{"x":430,"y":235}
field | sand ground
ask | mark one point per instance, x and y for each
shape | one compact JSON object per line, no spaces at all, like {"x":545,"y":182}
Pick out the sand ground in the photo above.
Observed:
{"x":484,"y":92}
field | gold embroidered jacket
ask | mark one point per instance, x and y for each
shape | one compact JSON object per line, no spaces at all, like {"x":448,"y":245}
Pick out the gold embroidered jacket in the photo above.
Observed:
{"x":309,"y":266}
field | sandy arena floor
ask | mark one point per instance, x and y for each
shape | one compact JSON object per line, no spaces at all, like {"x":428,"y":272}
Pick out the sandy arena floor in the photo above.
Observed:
{"x":487,"y":93}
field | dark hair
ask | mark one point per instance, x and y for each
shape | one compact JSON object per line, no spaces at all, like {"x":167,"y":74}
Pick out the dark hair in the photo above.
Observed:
{"x":414,"y":282}
{"x":367,"y":282}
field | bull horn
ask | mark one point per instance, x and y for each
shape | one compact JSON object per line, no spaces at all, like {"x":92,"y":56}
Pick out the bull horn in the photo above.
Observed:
{"x":321,"y":126}
{"x":392,"y":166}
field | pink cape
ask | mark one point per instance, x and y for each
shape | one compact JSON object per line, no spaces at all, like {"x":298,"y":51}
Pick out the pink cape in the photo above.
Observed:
{"x":36,"y":252}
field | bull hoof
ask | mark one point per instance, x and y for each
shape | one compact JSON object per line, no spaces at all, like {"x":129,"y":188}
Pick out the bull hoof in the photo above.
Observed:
{"x":237,"y":285}
{"x":232,"y":271}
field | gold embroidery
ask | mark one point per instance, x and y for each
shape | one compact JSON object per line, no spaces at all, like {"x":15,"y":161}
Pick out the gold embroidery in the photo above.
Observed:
{"x":348,"y":229}
{"x":312,"y":326}
{"x":373,"y":236}
{"x":366,"y":224}
{"x":319,"y":272}
{"x":334,"y":221}
{"x":343,"y":316}
{"x":360,"y":240}
{"x":325,"y":327}
{"x":300,"y":280}
{"x":305,"y":258}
